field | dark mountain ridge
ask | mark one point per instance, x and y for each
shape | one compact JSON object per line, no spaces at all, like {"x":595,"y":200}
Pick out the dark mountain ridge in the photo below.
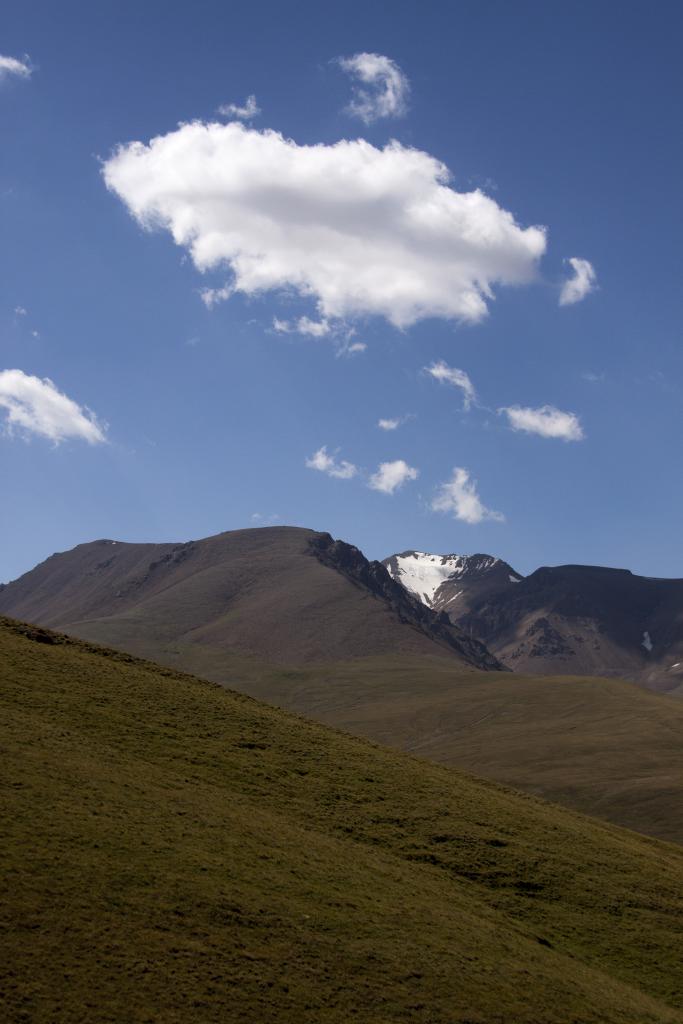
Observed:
{"x":570,"y":619}
{"x":350,"y":561}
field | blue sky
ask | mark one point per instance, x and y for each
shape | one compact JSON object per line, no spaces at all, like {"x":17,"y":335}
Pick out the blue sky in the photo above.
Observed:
{"x":566,"y":117}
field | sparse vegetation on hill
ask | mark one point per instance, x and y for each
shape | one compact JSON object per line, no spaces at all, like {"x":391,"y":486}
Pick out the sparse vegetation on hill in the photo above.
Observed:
{"x":602,"y":746}
{"x":174,"y":852}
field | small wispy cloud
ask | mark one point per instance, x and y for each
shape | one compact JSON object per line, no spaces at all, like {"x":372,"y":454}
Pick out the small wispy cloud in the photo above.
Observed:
{"x":392,"y":475}
{"x":259,"y":519}
{"x":331,"y":465}
{"x":458,"y":496}
{"x":348,"y":347}
{"x":582,"y":282}
{"x":456,"y":378}
{"x":212,"y":296}
{"x":20,"y":311}
{"x":36,"y":406}
{"x":337,"y":331}
{"x":245,"y":112}
{"x":546,"y":421}
{"x":384,"y":89}
{"x":394,"y":422}
{"x":304,"y":325}
{"x":11,"y":67}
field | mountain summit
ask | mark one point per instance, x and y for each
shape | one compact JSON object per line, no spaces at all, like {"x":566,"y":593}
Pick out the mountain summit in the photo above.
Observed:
{"x":288,"y":595}
{"x":450,"y":583}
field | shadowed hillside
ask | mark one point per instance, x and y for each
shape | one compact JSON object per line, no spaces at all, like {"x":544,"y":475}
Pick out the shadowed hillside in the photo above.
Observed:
{"x":176,"y":852}
{"x":587,"y":619}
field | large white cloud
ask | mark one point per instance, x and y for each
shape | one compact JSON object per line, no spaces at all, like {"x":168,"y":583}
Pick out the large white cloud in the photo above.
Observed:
{"x":359,"y":230}
{"x":546,"y":421}
{"x":387,"y":89}
{"x":12,"y":67}
{"x":392,"y":475}
{"x":35,"y":406}
{"x":459,"y":497}
{"x":330,"y":464}
{"x":456,"y":378}
{"x":582,"y":282}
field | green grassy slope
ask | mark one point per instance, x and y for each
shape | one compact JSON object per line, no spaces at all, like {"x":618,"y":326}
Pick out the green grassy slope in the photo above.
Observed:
{"x":174,"y":852}
{"x":601,"y":746}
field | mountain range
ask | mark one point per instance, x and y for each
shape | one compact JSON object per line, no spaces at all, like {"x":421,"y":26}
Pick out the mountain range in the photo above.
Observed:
{"x":296,"y":596}
{"x":569,"y":620}
{"x":305,"y":622}
{"x":283,"y":594}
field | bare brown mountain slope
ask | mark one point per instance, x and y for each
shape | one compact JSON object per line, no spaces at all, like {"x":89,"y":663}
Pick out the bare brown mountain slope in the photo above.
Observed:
{"x":284,"y":594}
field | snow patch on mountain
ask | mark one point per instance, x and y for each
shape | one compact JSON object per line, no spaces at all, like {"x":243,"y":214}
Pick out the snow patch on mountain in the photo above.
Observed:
{"x":423,"y":573}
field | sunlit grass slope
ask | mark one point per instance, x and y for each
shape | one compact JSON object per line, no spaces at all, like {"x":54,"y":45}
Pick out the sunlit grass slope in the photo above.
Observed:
{"x":175,"y":852}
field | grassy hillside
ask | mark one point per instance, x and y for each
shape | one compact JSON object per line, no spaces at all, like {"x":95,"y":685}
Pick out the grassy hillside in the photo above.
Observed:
{"x":175,"y":852}
{"x":602,"y":746}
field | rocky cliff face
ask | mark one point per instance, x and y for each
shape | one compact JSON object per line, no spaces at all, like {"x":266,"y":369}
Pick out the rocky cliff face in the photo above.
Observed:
{"x":374,"y":576}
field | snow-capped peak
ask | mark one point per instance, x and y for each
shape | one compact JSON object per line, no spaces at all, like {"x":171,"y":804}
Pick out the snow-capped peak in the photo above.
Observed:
{"x":423,"y":573}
